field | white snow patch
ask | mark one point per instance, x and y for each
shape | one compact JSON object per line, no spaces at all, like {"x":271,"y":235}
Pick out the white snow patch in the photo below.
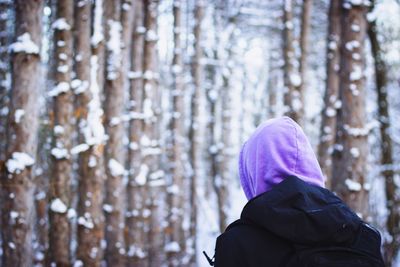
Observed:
{"x":58,"y":206}
{"x":141,"y":178}
{"x":86,"y":222}
{"x":19,"y":113}
{"x":115,"y":167}
{"x":172,"y":247}
{"x":18,"y":162}
{"x":295,"y":79}
{"x":58,"y":129}
{"x":355,"y":152}
{"x":79,"y":149}
{"x":114,"y":48}
{"x":59,"y":153}
{"x":353,"y":185}
{"x":24,"y":44}
{"x":62,"y":87}
{"x":356,"y":74}
{"x":108,"y":208}
{"x":98,"y":35}
{"x":61,"y":24}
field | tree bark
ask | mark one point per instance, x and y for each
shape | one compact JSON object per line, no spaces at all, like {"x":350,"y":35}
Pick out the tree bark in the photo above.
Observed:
{"x":304,"y":44}
{"x":136,"y":189}
{"x":194,"y":149}
{"x":392,"y":199}
{"x":17,"y":186}
{"x":349,"y":179}
{"x":60,"y":190}
{"x":149,"y":142}
{"x":292,"y":97}
{"x":90,"y":133}
{"x":176,"y":242}
{"x":5,"y":82}
{"x":331,"y":101}
{"x":114,"y":153}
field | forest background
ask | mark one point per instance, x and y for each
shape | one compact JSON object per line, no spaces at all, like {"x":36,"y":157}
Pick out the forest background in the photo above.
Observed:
{"x":121,"y":120}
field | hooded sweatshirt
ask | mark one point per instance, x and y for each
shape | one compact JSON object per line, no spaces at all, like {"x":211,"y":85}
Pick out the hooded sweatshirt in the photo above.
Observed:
{"x":277,"y":149}
{"x":288,"y":206}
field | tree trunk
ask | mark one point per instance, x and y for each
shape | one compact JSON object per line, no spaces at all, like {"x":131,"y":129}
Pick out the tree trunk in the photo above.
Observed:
{"x":175,"y":233}
{"x":392,"y":199}
{"x":194,"y":150}
{"x":90,"y":134}
{"x":331,"y":102}
{"x":114,"y":153}
{"x":5,"y":82}
{"x":149,"y":142}
{"x":304,"y":41}
{"x":60,"y":191}
{"x":17,"y":186}
{"x":136,"y":190}
{"x":349,"y":179}
{"x":292,"y":97}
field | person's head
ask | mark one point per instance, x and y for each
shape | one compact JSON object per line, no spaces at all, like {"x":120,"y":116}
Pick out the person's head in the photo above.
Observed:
{"x":277,"y":149}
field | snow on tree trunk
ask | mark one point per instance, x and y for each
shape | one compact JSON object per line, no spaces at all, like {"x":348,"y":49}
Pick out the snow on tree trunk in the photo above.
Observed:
{"x":194,"y":149}
{"x":5,"y":82}
{"x":149,"y":142}
{"x":304,"y":43}
{"x":224,"y":159}
{"x":60,"y":190}
{"x":349,"y":179}
{"x":136,"y":190}
{"x":392,"y":199}
{"x":176,"y":186}
{"x":292,"y":80}
{"x":114,"y":151}
{"x":87,"y":84}
{"x":331,"y":101}
{"x":17,"y":186}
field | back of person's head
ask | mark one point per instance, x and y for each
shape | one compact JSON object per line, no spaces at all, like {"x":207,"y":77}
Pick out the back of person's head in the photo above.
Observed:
{"x":277,"y":149}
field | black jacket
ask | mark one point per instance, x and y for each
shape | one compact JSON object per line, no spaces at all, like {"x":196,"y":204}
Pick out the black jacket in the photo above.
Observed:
{"x":293,"y":214}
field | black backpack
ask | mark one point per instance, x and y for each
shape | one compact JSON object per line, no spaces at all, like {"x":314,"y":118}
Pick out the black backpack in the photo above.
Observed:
{"x":358,"y":254}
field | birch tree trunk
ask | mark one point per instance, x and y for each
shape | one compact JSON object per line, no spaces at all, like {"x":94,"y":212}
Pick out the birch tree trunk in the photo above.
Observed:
{"x":90,"y":133}
{"x":331,"y":101}
{"x":349,"y":158}
{"x":392,"y":198}
{"x":194,"y":149}
{"x":291,"y":97}
{"x":136,"y":189}
{"x":17,"y":186}
{"x":175,"y":233}
{"x":60,"y":189}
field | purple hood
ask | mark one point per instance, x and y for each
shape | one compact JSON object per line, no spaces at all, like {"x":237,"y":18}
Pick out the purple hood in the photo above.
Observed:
{"x":277,"y":149}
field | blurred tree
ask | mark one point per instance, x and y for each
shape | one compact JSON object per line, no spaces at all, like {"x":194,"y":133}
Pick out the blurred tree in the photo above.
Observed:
{"x":331,"y":101}
{"x":16,"y":179}
{"x":136,"y":189}
{"x":349,"y":159}
{"x":194,"y":149}
{"x":61,"y":165}
{"x":176,"y":242}
{"x":391,"y":245}
{"x":90,"y":132}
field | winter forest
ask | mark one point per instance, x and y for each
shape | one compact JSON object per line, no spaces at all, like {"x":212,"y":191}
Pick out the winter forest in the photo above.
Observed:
{"x":121,"y":120}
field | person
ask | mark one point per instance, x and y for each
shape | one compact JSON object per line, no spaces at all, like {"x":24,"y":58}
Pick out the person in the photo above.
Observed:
{"x":290,"y":218}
